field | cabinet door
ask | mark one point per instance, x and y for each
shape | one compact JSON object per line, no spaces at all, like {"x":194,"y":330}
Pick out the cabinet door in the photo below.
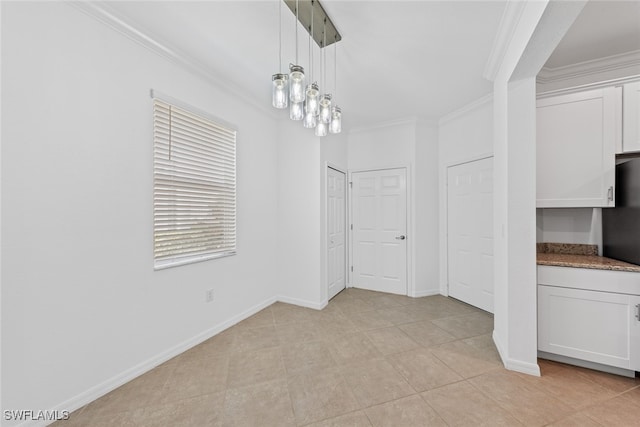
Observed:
{"x":635,"y":334}
{"x":631,"y":118}
{"x":576,"y":142}
{"x":599,"y":327}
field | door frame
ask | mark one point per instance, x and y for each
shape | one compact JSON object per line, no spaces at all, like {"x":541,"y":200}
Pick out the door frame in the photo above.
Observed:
{"x":325,"y":230}
{"x":410,"y":227}
{"x":444,"y":219}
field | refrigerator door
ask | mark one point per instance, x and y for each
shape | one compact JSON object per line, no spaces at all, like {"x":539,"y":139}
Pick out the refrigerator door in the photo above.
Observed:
{"x":621,"y":225}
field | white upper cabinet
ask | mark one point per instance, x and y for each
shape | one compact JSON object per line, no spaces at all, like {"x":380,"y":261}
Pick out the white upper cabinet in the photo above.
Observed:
{"x":576,"y":144}
{"x":631,"y":118}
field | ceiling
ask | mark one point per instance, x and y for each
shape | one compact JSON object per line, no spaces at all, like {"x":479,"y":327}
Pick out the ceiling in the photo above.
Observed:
{"x":397,"y":59}
{"x":603,"y":28}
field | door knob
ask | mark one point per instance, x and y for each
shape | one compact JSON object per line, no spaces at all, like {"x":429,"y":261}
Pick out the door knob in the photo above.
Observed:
{"x":401,"y":237}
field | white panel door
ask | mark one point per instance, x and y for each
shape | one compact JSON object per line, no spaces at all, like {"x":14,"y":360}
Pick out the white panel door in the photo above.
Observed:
{"x":470,"y":233}
{"x":380,"y":230}
{"x":336,"y":236}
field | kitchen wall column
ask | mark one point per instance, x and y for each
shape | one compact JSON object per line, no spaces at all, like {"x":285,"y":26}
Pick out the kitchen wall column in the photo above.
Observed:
{"x":527,"y":36}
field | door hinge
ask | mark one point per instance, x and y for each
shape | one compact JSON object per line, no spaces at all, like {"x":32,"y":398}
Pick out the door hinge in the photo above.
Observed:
{"x":350,"y":184}
{"x":352,"y":226}
{"x":637,"y":307}
{"x":352,"y":268}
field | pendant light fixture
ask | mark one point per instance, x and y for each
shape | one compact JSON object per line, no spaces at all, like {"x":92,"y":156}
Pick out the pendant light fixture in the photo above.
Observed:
{"x":311,"y":107}
{"x":296,"y":112}
{"x":336,"y":120}
{"x":325,"y":101}
{"x":288,"y":90}
{"x":279,"y":81}
{"x":296,"y":73}
{"x":321,"y":129}
{"x":336,"y":113}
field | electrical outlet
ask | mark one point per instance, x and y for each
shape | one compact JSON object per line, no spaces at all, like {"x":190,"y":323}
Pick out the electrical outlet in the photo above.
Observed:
{"x":209,"y":295}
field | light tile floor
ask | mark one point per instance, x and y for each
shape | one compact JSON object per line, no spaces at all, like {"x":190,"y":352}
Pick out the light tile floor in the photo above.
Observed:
{"x":367,"y":359}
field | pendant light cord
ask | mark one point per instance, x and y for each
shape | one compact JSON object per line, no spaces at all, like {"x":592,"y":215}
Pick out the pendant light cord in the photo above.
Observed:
{"x":310,"y":46}
{"x":324,"y":54}
{"x":297,"y":32}
{"x":280,"y":36}
{"x":335,"y":67}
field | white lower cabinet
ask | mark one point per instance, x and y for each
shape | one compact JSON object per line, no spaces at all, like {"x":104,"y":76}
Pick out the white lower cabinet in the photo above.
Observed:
{"x":590,"y":316}
{"x":599,"y":327}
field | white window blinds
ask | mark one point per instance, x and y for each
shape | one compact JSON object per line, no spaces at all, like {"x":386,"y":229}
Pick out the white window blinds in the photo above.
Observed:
{"x":194,"y":187}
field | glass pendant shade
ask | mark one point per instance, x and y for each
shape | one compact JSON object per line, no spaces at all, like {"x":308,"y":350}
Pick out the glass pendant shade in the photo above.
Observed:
{"x":311,"y":102}
{"x":325,"y":108}
{"x":297,"y":111}
{"x":296,"y":83}
{"x":336,"y":120}
{"x":310,"y":120}
{"x":280,"y":93}
{"x":321,"y":129}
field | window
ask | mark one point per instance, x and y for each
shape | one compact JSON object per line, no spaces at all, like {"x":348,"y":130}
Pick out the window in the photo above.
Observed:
{"x":194,"y":187}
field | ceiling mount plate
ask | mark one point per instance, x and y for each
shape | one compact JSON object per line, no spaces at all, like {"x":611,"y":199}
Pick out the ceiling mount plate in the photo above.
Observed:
{"x":319,"y":19}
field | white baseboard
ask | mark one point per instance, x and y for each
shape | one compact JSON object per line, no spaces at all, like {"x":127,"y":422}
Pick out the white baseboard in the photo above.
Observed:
{"x":425,"y":293}
{"x":499,"y":346}
{"x":514,"y":364}
{"x":523,"y":367}
{"x":303,"y":303}
{"x":105,"y":387}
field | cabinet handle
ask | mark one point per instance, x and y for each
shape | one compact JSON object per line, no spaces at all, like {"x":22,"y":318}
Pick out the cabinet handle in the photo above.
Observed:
{"x":610,"y":194}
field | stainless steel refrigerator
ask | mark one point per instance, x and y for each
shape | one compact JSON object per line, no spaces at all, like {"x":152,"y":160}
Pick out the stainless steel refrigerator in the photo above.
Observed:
{"x":621,"y":225}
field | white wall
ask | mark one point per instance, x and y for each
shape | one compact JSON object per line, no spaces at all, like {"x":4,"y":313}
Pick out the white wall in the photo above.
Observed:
{"x":521,"y":227}
{"x":463,"y":135}
{"x":570,"y":225}
{"x":467,"y":133}
{"x":302,"y":161}
{"x":427,"y":255}
{"x":299,"y":215}
{"x":82,"y":308}
{"x":413,"y":144}
{"x":388,"y":145}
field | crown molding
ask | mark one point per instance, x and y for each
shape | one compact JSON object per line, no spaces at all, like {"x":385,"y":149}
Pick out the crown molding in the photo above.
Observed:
{"x":382,"y":125}
{"x":626,"y":63}
{"x":103,"y":13}
{"x":426,"y":121}
{"x":472,"y":106}
{"x":508,"y":23}
{"x":588,"y":86}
